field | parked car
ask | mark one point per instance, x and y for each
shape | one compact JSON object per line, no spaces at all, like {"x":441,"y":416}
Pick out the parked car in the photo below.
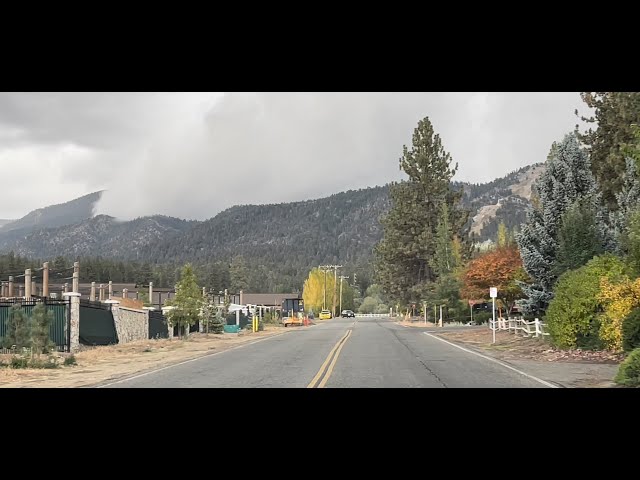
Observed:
{"x":325,"y":315}
{"x":348,"y":314}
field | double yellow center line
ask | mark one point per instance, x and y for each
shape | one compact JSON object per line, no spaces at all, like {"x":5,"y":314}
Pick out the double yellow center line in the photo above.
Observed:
{"x":324,"y":373}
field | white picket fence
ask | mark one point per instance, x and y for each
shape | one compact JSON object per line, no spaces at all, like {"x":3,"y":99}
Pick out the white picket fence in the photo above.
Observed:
{"x":515,"y":325}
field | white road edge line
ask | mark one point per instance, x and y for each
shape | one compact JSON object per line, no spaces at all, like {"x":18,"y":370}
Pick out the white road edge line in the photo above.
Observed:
{"x":186,"y":361}
{"x":551,"y":385}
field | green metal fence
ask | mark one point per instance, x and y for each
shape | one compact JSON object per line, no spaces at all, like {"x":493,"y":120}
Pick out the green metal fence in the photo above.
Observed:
{"x":59,"y":328}
{"x":97,"y":326}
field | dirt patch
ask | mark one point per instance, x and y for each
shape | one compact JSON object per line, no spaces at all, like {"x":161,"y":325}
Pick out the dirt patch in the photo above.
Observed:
{"x":509,"y":346}
{"x":416,"y":323}
{"x":101,"y":364}
{"x":525,"y":182}
{"x":484,"y":216}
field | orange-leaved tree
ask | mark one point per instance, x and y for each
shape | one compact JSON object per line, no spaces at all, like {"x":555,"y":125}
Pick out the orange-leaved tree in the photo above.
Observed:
{"x":500,"y":268}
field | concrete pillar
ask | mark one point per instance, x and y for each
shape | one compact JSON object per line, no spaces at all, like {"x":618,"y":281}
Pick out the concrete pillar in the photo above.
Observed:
{"x":10,"y":288}
{"x":65,"y":288}
{"x":124,"y":293}
{"x":21,"y":290}
{"x":151,"y":294}
{"x":45,"y":279}
{"x":27,"y":283}
{"x":33,"y":288}
{"x":241,"y":297}
{"x":75,"y":320}
{"x":2,"y":294}
{"x":92,"y":295}
{"x":110,"y":289}
{"x":102,"y":292}
{"x":76,"y":277}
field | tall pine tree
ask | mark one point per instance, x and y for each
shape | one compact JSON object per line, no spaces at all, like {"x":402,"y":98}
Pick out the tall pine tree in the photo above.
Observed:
{"x":627,"y":200}
{"x":567,"y":178}
{"x":404,"y":256}
{"x":614,"y":114}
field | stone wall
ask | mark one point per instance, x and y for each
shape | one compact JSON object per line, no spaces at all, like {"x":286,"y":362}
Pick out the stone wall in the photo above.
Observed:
{"x":131,"y":325}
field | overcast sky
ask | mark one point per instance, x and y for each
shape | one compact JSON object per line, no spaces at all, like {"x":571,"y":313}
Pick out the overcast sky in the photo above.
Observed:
{"x":192,"y":155}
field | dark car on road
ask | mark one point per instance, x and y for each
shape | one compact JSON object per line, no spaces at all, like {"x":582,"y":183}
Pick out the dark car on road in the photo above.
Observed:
{"x":348,"y":313}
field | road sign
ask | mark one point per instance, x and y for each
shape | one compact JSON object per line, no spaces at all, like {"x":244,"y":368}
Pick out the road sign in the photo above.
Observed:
{"x":493,"y":292}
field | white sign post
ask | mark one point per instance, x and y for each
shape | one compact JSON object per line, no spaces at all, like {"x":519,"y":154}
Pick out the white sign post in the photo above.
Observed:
{"x":493,"y":292}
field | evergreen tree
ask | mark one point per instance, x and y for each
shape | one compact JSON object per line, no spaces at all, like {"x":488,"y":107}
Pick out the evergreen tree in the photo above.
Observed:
{"x":239,"y":272}
{"x":614,"y":115}
{"x":403,"y":258}
{"x":17,"y":331}
{"x":444,"y":261}
{"x":41,"y":319}
{"x":187,"y":303}
{"x":566,"y":179}
{"x":627,"y":200}
{"x":579,"y":238}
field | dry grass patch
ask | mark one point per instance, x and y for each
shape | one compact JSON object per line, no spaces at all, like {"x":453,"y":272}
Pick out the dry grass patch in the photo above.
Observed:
{"x":102,"y":364}
{"x":511,"y":346}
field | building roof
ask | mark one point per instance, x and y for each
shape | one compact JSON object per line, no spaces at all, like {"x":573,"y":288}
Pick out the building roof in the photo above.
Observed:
{"x":267,"y":298}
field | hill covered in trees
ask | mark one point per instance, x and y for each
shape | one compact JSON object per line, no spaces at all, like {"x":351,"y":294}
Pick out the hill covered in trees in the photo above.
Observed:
{"x":268,"y":248}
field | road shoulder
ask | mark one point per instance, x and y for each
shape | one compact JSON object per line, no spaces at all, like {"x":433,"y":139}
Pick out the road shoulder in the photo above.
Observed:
{"x":575,"y":369}
{"x":101,"y":365}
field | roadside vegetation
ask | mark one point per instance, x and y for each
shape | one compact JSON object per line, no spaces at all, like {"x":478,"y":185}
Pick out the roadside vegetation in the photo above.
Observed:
{"x":573,"y":263}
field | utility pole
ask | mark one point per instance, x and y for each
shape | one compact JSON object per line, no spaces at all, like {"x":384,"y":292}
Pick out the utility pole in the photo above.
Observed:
{"x":325,"y":269}
{"x":342,"y":277}
{"x":335,"y":289}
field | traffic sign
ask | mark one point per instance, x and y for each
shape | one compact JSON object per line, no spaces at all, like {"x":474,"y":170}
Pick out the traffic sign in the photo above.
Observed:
{"x":493,"y":292}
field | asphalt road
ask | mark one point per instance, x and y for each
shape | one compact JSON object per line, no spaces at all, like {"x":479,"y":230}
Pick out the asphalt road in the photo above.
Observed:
{"x":340,"y":353}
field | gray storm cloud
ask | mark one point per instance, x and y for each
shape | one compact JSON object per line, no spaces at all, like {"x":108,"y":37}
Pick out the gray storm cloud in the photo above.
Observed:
{"x":192,"y":155}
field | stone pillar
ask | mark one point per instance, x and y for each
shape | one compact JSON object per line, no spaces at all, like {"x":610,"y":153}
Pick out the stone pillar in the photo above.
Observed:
{"x":45,"y":279}
{"x":33,"y":288}
{"x":65,"y":288}
{"x":92,"y":295}
{"x":10,"y":288}
{"x":27,"y":283}
{"x":2,"y":294}
{"x":124,"y":293}
{"x":76,"y":277}
{"x":115,"y":311}
{"x":151,"y":294}
{"x":110,"y":289}
{"x":102,"y":292}
{"x":75,"y":320}
{"x":21,"y":290}
{"x":241,"y":297}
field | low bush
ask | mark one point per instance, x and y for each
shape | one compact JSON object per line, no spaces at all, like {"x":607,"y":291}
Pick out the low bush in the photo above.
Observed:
{"x":629,"y":372}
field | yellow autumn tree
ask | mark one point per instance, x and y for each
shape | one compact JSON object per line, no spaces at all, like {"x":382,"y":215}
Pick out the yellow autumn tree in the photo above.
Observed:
{"x":617,"y":299}
{"x":313,"y":290}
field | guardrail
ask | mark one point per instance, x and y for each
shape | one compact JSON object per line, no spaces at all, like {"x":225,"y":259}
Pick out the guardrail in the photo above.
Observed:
{"x":515,"y":325}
